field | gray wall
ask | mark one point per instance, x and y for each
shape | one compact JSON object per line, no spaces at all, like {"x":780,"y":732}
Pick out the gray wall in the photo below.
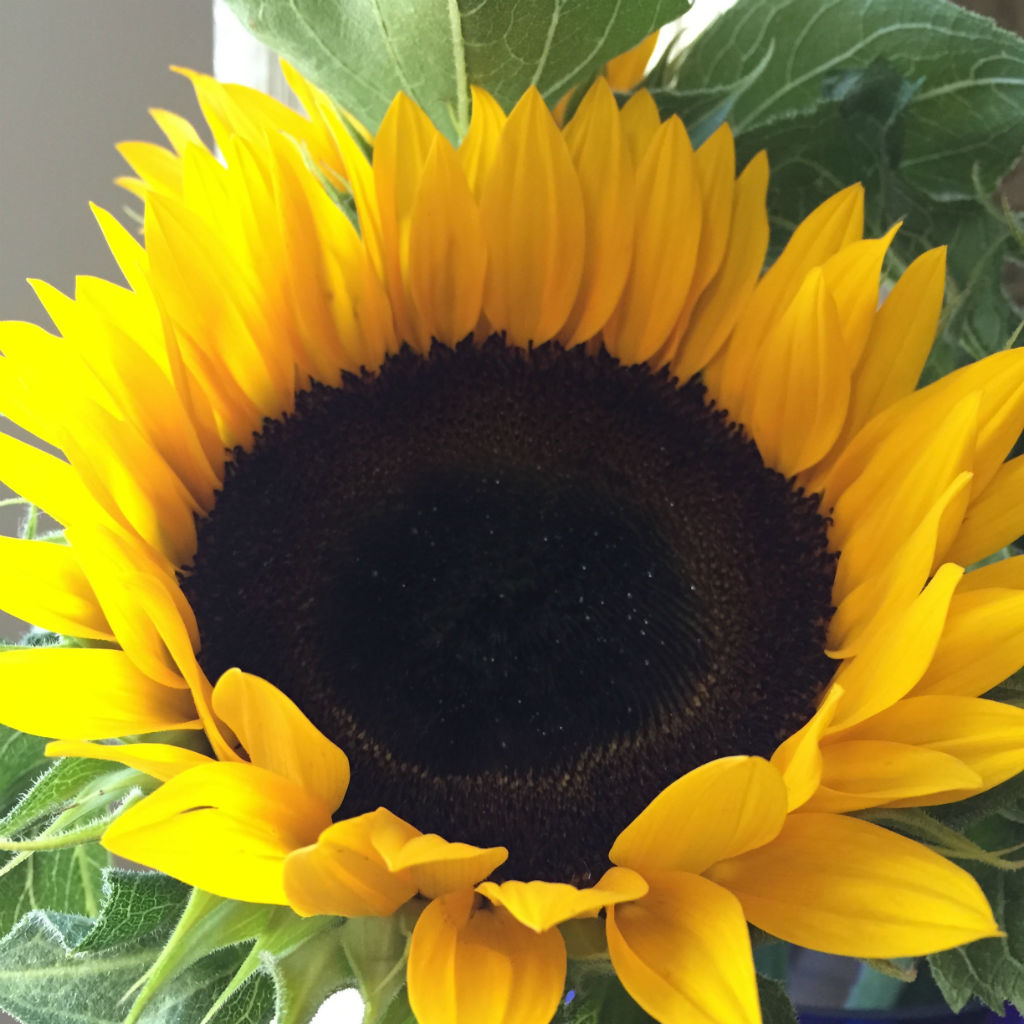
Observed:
{"x":76,"y":77}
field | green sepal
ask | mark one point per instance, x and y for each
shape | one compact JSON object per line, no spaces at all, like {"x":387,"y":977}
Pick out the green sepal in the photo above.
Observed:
{"x":377,"y":949}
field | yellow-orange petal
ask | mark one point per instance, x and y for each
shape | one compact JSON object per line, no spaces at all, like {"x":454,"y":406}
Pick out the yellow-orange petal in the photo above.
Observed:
{"x":532,"y":212}
{"x":798,"y":757}
{"x":480,"y":146}
{"x":161,"y":760}
{"x":543,"y":905}
{"x":876,"y":894}
{"x":473,"y":963}
{"x":859,"y":773}
{"x":278,"y":736}
{"x":667,"y":237}
{"x":798,"y":389}
{"x":598,"y":150}
{"x":683,"y":952}
{"x":86,"y":694}
{"x":224,"y":828}
{"x":437,"y":866}
{"x":981,"y":645}
{"x":712,"y":812}
{"x":995,"y":519}
{"x":344,"y":871}
{"x":444,"y":254}
{"x":895,"y":658}
{"x":985,"y":735}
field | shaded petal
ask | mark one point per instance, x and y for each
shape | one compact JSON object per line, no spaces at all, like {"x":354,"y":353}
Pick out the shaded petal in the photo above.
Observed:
{"x":542,"y":905}
{"x":445,"y":255}
{"x":860,"y":773}
{"x":981,"y":645}
{"x":985,"y":735}
{"x":480,"y":146}
{"x":683,"y":953}
{"x":713,"y":812}
{"x":845,"y":886}
{"x":599,"y":153}
{"x":995,"y":518}
{"x":278,"y":736}
{"x":476,"y":964}
{"x":161,"y":760}
{"x":224,"y":828}
{"x":344,"y":872}
{"x":901,"y":338}
{"x":88,"y":694}
{"x":722,"y":301}
{"x":667,"y":237}
{"x":796,"y":398}
{"x":626,"y":71}
{"x":798,"y":758}
{"x":438,"y":867}
{"x":532,"y":212}
{"x":895,"y":658}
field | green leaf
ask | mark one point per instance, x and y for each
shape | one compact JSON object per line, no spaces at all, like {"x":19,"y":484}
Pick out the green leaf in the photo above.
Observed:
{"x":21,"y":758}
{"x":135,"y":904}
{"x":363,"y":52}
{"x":595,"y":996}
{"x":60,"y":880}
{"x":776,"y":1007}
{"x":918,"y":99}
{"x":991,"y":970}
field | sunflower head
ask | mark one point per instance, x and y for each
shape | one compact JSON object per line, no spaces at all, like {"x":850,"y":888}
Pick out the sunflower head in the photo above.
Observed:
{"x":523,"y":551}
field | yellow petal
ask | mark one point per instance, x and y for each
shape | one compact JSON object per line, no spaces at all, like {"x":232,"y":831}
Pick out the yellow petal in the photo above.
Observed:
{"x":625,"y":71}
{"x":476,"y":964}
{"x":598,"y":151}
{"x":161,"y":760}
{"x":900,"y":339}
{"x":995,"y":519}
{"x":224,"y":828}
{"x":446,"y":257}
{"x":640,"y":121}
{"x":986,"y":735}
{"x":437,"y":866}
{"x":875,"y":894}
{"x":835,"y":223}
{"x":981,"y":645}
{"x":278,"y":736}
{"x":723,"y":299}
{"x":895,"y":658}
{"x":667,"y":237}
{"x":480,"y":146}
{"x":542,"y":905}
{"x":86,"y":693}
{"x":716,"y":172}
{"x":44,"y":584}
{"x":400,"y":152}
{"x":712,"y":812}
{"x":1007,"y":573}
{"x":46,"y":481}
{"x":799,"y":759}
{"x":532,"y":211}
{"x":852,"y":276}
{"x":683,"y":953}
{"x":859,"y":773}
{"x":797,"y":394}
{"x":891,"y":588}
{"x":876,"y":515}
{"x":344,"y":871}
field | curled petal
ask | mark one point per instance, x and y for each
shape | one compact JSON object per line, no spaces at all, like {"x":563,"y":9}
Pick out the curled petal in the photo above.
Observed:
{"x":473,"y":963}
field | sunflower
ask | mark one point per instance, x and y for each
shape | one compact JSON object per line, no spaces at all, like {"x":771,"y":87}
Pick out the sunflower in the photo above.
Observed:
{"x":519,"y":550}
